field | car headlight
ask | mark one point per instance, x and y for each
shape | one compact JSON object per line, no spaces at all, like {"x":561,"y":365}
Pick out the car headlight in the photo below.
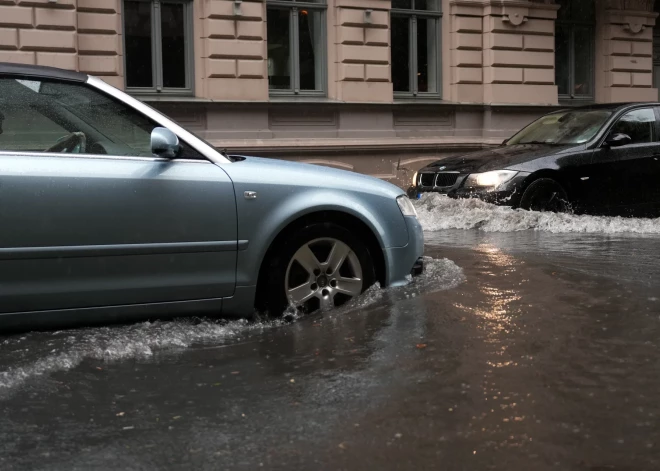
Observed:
{"x":406,"y":206}
{"x":414,"y":180}
{"x":489,"y":179}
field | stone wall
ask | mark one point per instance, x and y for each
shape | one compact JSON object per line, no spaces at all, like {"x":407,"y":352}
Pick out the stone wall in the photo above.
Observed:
{"x":80,"y":35}
{"x":502,"y":52}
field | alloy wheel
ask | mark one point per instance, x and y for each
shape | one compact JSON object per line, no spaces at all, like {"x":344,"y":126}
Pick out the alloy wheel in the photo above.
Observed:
{"x":323,"y":273}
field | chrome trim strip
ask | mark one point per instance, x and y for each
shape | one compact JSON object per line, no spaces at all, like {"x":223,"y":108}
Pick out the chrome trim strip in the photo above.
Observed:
{"x":203,"y":148}
{"x":78,"y":251}
{"x":96,"y":156}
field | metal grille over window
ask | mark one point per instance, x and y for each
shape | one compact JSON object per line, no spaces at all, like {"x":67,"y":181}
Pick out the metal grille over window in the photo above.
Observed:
{"x":416,"y":47}
{"x":296,"y":47}
{"x":574,"y":49}
{"x":158,"y":46}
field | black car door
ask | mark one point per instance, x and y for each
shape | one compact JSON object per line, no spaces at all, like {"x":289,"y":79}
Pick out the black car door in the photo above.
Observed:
{"x":626,"y":177}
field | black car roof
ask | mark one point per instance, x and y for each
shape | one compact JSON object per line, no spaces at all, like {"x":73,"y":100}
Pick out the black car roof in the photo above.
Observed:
{"x":40,"y":71}
{"x":614,"y":106}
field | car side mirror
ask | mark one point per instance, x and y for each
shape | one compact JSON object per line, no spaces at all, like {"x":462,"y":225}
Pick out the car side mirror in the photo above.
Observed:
{"x":164,"y":143}
{"x":618,"y":139}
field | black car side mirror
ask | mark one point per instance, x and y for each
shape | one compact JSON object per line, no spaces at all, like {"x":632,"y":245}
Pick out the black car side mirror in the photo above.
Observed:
{"x":618,"y":139}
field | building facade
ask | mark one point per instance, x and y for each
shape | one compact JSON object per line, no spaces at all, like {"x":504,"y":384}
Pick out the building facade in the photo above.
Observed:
{"x":376,"y":86}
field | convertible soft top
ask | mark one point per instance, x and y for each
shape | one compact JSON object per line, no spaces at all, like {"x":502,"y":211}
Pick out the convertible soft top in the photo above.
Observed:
{"x":39,"y":71}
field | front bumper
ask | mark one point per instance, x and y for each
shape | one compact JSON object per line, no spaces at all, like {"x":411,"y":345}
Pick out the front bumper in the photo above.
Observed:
{"x":508,"y":194}
{"x":403,"y":261}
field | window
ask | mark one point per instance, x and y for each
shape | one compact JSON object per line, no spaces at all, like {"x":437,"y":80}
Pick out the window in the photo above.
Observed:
{"x":638,"y":124}
{"x":158,"y":46}
{"x":574,"y":50}
{"x":50,"y":116}
{"x":562,"y":128}
{"x":296,"y":47}
{"x":415,"y":47}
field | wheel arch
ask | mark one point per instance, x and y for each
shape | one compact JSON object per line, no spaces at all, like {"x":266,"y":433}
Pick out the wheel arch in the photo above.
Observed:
{"x":341,"y":218}
{"x":554,"y":174}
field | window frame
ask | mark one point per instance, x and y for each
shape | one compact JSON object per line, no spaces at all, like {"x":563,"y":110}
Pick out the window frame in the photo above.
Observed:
{"x":157,"y":51}
{"x":413,"y":15}
{"x":570,"y":23}
{"x":294,"y":38}
{"x":655,"y":134}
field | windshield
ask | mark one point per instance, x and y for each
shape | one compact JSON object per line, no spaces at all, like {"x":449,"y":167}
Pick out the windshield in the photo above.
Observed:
{"x":563,"y":127}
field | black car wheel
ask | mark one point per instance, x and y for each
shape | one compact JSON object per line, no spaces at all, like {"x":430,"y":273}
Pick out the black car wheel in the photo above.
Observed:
{"x":545,"y":194}
{"x":320,"y":266}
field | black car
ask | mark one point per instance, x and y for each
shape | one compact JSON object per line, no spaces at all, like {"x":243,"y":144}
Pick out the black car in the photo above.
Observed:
{"x":598,"y":159}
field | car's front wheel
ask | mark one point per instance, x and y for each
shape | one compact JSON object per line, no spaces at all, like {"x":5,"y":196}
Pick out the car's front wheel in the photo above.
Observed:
{"x":545,"y":194}
{"x":321,"y":266}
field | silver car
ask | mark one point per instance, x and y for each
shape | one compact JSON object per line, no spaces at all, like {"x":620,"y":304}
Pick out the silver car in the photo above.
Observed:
{"x":110,"y":211}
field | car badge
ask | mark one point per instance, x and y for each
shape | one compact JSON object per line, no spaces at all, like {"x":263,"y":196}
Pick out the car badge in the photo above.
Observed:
{"x":442,"y":168}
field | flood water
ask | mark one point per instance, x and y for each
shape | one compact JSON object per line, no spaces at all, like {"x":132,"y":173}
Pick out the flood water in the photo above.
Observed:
{"x":530,"y":343}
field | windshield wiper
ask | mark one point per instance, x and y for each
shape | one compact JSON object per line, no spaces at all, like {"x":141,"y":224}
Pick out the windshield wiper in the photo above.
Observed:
{"x":539,"y":142}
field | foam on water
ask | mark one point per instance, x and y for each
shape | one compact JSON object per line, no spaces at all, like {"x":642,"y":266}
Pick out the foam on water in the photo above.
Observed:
{"x":28,"y":356}
{"x":437,"y":212}
{"x":64,"y":350}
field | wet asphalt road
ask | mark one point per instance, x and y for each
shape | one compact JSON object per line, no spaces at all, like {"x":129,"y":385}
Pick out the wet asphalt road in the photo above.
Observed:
{"x":541,"y":352}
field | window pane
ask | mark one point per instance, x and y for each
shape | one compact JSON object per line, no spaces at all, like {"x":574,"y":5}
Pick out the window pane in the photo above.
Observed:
{"x":583,"y":10}
{"x":402,"y":4}
{"x":40,"y":115}
{"x":562,"y":59}
{"x":309,"y":35}
{"x":401,"y":54}
{"x":174,"y":47}
{"x":583,"y":61}
{"x":279,"y":30}
{"x":426,"y":55}
{"x":638,"y":125}
{"x":137,"y":30}
{"x":432,"y":5}
{"x":564,"y":12}
{"x":23,"y":127}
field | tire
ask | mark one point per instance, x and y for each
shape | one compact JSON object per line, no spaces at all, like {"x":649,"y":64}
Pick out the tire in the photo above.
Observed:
{"x":290,"y":266}
{"x":545,"y":194}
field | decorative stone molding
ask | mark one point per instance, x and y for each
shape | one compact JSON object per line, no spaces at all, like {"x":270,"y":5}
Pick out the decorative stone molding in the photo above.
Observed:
{"x":633,"y":24}
{"x":515,"y":15}
{"x":631,"y":5}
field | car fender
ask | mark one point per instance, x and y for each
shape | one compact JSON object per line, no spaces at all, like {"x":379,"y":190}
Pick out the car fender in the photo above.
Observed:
{"x":259,"y":223}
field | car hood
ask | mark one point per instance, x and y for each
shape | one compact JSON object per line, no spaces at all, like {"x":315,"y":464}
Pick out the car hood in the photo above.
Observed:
{"x":504,"y":157}
{"x":275,"y":171}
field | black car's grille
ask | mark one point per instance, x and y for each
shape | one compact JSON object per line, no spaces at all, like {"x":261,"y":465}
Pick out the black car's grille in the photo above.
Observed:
{"x":446,"y":179}
{"x":427,"y":179}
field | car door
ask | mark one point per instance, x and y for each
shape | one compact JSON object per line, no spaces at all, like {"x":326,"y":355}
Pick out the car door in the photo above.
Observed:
{"x":626,"y":176}
{"x":103,"y":222}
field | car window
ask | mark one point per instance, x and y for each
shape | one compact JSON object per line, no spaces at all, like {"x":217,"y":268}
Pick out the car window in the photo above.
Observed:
{"x":638,"y":124}
{"x":562,"y":128}
{"x":53,"y":116}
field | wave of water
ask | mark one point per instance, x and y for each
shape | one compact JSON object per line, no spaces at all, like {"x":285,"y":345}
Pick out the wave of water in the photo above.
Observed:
{"x":39,"y":354}
{"x":438,"y":212}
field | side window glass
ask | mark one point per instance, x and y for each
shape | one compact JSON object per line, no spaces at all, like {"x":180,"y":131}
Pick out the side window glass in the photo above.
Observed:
{"x":52,"y":116}
{"x":638,"y":124}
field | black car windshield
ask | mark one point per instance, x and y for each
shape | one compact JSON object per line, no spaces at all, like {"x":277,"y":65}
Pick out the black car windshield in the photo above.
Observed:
{"x":562,"y":128}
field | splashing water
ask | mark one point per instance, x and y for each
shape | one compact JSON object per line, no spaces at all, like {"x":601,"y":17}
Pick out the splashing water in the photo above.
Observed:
{"x":438,"y":212}
{"x":37,"y":354}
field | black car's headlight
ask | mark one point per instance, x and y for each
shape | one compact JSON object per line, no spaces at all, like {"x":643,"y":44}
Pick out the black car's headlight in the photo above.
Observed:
{"x":491,"y":179}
